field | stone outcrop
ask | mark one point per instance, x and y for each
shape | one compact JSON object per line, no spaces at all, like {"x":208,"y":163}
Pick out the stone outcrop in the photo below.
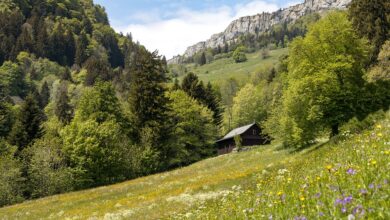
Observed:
{"x":262,"y":22}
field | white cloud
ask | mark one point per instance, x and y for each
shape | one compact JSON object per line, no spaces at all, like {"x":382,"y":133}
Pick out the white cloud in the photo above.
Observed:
{"x":185,"y":27}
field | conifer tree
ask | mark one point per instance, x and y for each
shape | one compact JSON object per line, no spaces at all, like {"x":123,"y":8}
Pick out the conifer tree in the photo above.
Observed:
{"x":63,"y":109}
{"x":203,"y":60}
{"x":212,"y":100}
{"x":206,"y":96}
{"x":371,"y":19}
{"x":5,"y":113}
{"x":28,"y":124}
{"x":176,"y":85}
{"x":81,"y":46}
{"x":147,"y":100}
{"x":189,"y":84}
{"x":147,"y":94}
{"x":44,"y":95}
{"x":41,"y":46}
{"x":25,"y":41}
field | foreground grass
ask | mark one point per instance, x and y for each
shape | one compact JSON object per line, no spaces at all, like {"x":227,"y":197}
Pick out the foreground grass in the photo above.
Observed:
{"x":333,"y":180}
{"x":151,"y":197}
{"x":347,"y":179}
{"x":226,"y":68}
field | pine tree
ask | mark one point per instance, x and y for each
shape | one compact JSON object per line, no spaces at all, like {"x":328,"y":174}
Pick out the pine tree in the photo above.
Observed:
{"x":189,"y":84}
{"x":205,"y":96}
{"x":28,"y":124}
{"x":97,"y":69}
{"x":65,"y":75}
{"x":226,"y":48}
{"x":63,"y":109}
{"x":25,"y":41}
{"x":164,"y":62}
{"x":70,"y":48}
{"x":213,"y":102}
{"x":44,"y":95}
{"x":148,"y":103}
{"x":41,"y":46}
{"x":371,"y":19}
{"x":81,"y":46}
{"x":176,"y":85}
{"x":203,"y":60}
{"x":5,"y":113}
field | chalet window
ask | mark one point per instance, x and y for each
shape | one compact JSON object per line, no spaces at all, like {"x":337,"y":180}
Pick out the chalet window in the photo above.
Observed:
{"x":254,"y":131}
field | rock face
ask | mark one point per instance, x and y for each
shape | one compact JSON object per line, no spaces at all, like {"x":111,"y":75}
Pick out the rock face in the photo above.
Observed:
{"x":262,"y":22}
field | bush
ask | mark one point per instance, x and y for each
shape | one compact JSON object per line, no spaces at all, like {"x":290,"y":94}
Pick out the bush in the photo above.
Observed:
{"x":356,"y":126}
{"x":47,"y":171}
{"x":11,"y":180}
{"x":239,"y":55}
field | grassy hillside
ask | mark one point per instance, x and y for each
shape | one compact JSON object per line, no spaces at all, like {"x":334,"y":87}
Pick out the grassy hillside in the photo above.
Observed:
{"x":226,"y":67}
{"x":348,"y":176}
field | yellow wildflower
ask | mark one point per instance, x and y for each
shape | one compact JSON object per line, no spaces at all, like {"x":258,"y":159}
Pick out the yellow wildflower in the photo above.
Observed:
{"x":379,"y":126}
{"x":328,"y":167}
{"x":280,"y":193}
{"x":302,"y":198}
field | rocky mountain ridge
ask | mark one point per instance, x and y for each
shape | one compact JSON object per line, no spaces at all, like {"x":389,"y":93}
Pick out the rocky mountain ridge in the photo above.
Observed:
{"x":260,"y":23}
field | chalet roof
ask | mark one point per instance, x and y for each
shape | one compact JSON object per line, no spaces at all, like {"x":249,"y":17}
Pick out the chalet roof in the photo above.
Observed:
{"x":237,"y":131}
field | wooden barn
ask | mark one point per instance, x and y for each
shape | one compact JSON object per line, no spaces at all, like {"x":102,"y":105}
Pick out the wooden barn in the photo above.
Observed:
{"x":250,"y":135}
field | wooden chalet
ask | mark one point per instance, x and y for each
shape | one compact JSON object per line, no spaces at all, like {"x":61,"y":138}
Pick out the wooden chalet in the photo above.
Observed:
{"x":250,"y":135}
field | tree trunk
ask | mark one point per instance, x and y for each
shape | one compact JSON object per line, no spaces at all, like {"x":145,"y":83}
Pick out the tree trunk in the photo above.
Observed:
{"x":335,"y":130}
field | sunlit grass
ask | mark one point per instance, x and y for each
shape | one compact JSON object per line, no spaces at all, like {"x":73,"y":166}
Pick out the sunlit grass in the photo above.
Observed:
{"x":347,"y":179}
{"x":226,"y":67}
{"x":154,"y":196}
{"x":332,"y":180}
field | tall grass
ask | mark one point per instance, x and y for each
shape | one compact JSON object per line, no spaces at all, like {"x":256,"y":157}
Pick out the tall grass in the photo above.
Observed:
{"x":347,"y":179}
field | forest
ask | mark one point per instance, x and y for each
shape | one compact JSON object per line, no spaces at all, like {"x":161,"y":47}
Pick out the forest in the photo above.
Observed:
{"x":83,"y":106}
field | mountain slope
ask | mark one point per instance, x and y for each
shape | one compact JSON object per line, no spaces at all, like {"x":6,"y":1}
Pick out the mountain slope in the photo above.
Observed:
{"x":226,"y":68}
{"x":260,"y":23}
{"x":254,"y":184}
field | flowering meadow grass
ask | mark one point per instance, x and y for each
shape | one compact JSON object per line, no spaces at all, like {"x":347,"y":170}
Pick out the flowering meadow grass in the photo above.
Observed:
{"x":342,"y":179}
{"x":152,"y":197}
{"x":347,"y":178}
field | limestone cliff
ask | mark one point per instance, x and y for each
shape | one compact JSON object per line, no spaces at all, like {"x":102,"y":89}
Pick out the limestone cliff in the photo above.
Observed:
{"x":262,"y":22}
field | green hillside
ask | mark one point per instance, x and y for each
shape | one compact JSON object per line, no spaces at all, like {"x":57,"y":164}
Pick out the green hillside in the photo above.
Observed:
{"x":252,"y":184}
{"x":226,"y":67}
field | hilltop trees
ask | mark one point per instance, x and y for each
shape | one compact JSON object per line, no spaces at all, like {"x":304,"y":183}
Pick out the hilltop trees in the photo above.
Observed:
{"x":371,"y":19}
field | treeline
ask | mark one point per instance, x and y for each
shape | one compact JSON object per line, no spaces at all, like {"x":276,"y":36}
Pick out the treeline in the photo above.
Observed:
{"x":333,"y":78}
{"x":82,"y":106}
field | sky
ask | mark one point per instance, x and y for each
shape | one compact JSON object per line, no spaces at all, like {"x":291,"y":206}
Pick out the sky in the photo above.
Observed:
{"x":170,"y":26}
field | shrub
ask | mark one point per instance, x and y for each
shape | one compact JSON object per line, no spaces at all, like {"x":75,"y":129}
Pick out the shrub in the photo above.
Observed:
{"x":239,"y":55}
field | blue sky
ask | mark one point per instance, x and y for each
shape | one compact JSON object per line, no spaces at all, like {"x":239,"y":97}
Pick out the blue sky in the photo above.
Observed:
{"x":170,"y":26}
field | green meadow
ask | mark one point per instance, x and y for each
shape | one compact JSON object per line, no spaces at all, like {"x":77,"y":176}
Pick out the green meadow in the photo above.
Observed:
{"x":226,"y":67}
{"x":338,"y":178}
